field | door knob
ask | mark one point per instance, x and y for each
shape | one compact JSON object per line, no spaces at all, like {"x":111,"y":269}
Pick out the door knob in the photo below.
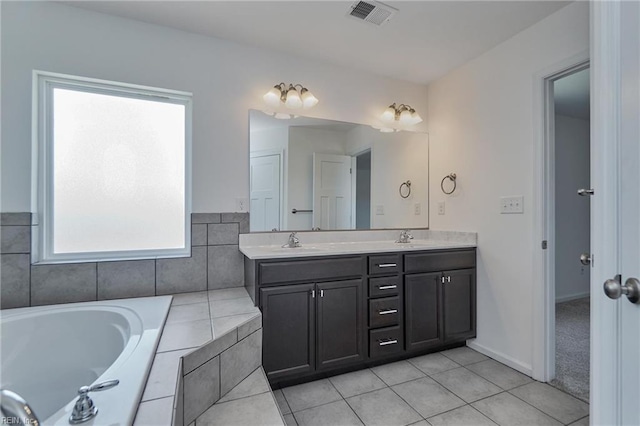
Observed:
{"x":631,"y":288}
{"x":585,"y":259}
{"x":584,"y":192}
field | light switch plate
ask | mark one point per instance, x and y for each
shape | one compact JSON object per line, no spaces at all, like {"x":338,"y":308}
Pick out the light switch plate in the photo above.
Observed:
{"x":440,"y":207}
{"x":512,"y":205}
{"x":379,"y":210}
{"x":417,"y":208}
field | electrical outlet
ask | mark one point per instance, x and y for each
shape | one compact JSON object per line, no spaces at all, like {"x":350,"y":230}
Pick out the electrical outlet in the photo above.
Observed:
{"x":512,"y":205}
{"x":242,"y":204}
{"x":417,"y":209}
{"x":441,"y":207}
{"x":380,"y":210}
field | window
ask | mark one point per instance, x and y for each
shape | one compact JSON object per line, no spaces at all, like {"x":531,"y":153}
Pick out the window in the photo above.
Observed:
{"x":112,"y":170}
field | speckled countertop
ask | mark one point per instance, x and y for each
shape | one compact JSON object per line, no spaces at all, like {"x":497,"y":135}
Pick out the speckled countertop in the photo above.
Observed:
{"x":269,"y":245}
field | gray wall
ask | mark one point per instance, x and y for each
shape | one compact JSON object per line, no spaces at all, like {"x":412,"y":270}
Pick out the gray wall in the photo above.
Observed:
{"x":572,"y":210}
{"x":215,"y":262}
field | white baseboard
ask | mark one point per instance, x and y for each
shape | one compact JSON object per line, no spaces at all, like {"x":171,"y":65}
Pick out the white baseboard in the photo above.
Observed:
{"x":506,"y":360}
{"x":572,"y":297}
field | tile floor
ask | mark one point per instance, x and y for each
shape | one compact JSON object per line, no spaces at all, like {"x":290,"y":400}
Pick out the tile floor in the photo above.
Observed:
{"x":454,"y":387}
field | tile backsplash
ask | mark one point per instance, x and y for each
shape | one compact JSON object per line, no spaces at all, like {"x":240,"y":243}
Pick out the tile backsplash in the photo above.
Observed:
{"x":215,"y":263}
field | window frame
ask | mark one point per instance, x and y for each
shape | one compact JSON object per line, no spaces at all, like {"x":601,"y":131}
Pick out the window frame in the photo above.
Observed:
{"x":42,"y":160}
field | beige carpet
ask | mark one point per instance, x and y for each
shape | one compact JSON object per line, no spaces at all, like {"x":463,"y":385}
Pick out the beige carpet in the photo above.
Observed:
{"x":572,"y":348}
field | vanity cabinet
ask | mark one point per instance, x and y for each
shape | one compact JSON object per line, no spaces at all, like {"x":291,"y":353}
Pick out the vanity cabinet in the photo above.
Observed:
{"x":315,"y":326}
{"x":440,"y":304}
{"x":326,"y":315}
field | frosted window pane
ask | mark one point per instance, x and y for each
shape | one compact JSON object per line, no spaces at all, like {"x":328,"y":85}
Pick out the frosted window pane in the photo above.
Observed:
{"x":118,"y":173}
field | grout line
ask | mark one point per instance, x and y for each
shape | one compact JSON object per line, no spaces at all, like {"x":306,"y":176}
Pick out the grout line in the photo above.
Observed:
{"x":155,"y":399}
{"x":539,"y":409}
{"x":407,"y":402}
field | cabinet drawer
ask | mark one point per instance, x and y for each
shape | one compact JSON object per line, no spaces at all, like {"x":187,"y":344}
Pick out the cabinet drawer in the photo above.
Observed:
{"x":385,"y":264}
{"x":384,"y":286}
{"x":439,"y":261}
{"x":385,"y":341}
{"x":310,"y":270}
{"x":384,"y":312}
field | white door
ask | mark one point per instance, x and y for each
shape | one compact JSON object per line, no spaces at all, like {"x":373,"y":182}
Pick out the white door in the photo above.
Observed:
{"x":265,"y":192}
{"x":331,"y":191}
{"x":615,"y":325}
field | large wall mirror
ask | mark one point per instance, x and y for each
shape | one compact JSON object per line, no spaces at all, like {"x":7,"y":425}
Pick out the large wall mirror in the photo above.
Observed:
{"x":309,"y":173}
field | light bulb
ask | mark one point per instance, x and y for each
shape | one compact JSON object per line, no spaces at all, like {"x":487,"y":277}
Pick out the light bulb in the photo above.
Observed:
{"x":388,"y":115}
{"x":293,"y":99}
{"x":308,"y":100}
{"x":272,"y":97}
{"x":415,"y":117}
{"x":405,"y":117}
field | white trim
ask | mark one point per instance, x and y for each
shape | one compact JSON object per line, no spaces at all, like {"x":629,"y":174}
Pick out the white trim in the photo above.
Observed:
{"x":571,"y":297}
{"x":605,"y":383}
{"x":42,"y":183}
{"x":543,"y":357}
{"x":500,"y":357}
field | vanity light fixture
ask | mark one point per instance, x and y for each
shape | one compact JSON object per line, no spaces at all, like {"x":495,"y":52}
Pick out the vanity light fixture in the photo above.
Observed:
{"x":399,"y":116}
{"x":294,"y":96}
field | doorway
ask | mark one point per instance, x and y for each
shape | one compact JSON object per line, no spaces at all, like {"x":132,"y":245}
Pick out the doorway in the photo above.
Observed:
{"x":362,"y":189}
{"x":570,"y":239}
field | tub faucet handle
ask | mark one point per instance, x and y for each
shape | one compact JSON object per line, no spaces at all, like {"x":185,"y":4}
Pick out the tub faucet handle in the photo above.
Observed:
{"x":85,"y":409}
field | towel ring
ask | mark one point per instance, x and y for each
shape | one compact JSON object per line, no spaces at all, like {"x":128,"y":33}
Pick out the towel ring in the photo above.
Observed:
{"x":452,"y":178}
{"x":407,"y":191}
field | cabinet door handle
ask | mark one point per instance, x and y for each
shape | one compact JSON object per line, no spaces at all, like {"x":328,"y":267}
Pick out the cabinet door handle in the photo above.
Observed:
{"x":387,"y":287}
{"x":321,"y":293}
{"x":388,"y":342}
{"x":387,"y":265}
{"x":442,"y":279}
{"x":449,"y":279}
{"x":388,"y":311}
{"x":313,"y":294}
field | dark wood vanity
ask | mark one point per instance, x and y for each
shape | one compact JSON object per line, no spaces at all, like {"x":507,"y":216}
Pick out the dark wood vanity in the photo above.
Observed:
{"x":331,"y":314}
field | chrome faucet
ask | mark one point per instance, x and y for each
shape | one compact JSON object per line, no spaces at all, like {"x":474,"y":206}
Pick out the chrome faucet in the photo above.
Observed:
{"x":15,"y":409}
{"x":84,"y":408}
{"x":405,"y":237}
{"x":294,"y":241}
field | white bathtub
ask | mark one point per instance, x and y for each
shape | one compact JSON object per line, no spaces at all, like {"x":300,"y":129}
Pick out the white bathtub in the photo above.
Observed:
{"x":48,"y":352}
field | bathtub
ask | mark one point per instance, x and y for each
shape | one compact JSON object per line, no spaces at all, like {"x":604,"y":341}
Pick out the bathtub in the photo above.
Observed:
{"x":47,"y":353}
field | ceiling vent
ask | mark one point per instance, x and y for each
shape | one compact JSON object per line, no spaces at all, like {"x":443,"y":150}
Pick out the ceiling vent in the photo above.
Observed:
{"x":371,"y":11}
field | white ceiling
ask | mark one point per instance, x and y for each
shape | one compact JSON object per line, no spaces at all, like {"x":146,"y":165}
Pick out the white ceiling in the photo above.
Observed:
{"x":571,"y":95}
{"x":422,"y":42}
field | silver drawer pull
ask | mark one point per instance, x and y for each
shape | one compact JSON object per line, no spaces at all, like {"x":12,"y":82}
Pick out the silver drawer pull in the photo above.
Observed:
{"x":389,"y":342}
{"x":387,"y":265}
{"x":388,"y":311}
{"x":387,"y":287}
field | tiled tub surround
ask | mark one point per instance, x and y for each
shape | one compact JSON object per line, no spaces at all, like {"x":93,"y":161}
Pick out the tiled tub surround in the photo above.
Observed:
{"x":215,"y":263}
{"x":269,"y":245}
{"x":207,"y":368}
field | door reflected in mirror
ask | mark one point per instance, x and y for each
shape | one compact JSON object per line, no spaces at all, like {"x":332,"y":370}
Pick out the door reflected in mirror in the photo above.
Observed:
{"x":309,"y":173}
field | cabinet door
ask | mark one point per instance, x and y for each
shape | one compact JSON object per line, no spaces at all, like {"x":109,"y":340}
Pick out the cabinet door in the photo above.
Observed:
{"x":422,"y":295}
{"x":288,"y":324}
{"x":459,"y":304}
{"x":340,"y":323}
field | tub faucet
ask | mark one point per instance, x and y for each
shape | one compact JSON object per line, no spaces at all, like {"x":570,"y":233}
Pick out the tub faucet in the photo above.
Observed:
{"x":405,"y":237}
{"x":294,"y":241}
{"x":85,"y":409}
{"x":15,"y":409}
